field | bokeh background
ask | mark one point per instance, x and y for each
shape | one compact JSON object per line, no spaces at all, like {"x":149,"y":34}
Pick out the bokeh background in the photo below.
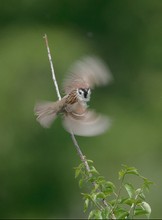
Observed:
{"x":36,"y":165}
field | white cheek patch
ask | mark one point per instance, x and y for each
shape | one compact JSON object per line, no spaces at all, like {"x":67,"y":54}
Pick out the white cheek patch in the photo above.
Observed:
{"x":84,"y":94}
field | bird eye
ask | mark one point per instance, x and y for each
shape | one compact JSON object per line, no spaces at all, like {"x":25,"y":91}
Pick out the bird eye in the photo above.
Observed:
{"x":80,"y":92}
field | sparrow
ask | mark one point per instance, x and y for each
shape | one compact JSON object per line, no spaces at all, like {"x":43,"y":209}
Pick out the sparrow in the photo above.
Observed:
{"x":81,"y":78}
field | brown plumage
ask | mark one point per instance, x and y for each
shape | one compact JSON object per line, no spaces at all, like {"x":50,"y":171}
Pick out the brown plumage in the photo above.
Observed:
{"x":72,"y":97}
{"x":82,"y":77}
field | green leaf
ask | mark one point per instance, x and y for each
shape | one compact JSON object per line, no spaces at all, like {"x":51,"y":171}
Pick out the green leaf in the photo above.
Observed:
{"x":86,"y":203}
{"x":95,"y":214}
{"x":105,"y":213}
{"x":100,"y":195}
{"x":91,"y":214}
{"x":121,"y":213}
{"x":96,"y":186}
{"x":130,"y":189}
{"x":140,"y":211}
{"x":81,"y":181}
{"x":77,"y":172}
{"x":121,"y":174}
{"x":132,"y":170}
{"x":93,"y":197}
{"x":140,"y":193}
{"x":90,"y":161}
{"x":86,"y":195}
{"x":91,"y":179}
{"x":147,"y":208}
{"x":100,"y":179}
{"x":147,"y":183}
{"x":108,"y":187}
{"x":112,"y":202}
{"x":142,"y":196}
{"x":93,"y":170}
{"x":127,"y":201}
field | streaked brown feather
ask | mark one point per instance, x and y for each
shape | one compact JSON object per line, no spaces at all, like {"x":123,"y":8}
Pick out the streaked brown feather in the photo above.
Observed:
{"x":72,"y":97}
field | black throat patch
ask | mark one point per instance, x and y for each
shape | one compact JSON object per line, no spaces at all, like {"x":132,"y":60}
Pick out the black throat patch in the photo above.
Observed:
{"x":85,"y":92}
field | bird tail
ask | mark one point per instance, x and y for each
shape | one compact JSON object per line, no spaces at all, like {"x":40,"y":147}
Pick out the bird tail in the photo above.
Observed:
{"x":46,"y":112}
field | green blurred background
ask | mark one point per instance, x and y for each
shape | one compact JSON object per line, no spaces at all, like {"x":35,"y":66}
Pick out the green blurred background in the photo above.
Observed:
{"x":36,"y":165}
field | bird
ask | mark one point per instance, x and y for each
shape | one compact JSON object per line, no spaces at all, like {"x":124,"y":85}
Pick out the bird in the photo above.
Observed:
{"x":77,"y":118}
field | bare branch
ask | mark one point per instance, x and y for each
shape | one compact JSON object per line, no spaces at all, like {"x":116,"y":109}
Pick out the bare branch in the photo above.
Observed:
{"x":52,"y":68}
{"x":82,"y":157}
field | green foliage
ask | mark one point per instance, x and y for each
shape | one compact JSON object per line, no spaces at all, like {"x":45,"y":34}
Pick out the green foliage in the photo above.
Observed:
{"x":106,"y":201}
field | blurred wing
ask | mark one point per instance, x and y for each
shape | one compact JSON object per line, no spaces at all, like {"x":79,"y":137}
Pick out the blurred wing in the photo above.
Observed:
{"x":89,"y":124}
{"x":46,"y":113}
{"x":88,"y":72}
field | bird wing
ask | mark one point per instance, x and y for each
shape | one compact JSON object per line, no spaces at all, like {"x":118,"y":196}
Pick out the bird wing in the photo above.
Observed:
{"x":88,"y":124}
{"x":87,"y":73}
{"x":46,"y":112}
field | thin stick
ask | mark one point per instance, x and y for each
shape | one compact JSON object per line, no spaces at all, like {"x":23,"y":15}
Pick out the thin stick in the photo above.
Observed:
{"x":52,"y":68}
{"x":82,"y":157}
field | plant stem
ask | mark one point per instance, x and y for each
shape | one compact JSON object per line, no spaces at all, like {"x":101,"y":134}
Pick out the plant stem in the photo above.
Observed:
{"x":133,"y":206}
{"x":52,"y":68}
{"x":82,"y":157}
{"x":118,"y":194}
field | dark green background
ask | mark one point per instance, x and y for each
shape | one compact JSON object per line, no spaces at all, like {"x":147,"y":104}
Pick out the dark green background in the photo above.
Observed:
{"x":36,"y":165}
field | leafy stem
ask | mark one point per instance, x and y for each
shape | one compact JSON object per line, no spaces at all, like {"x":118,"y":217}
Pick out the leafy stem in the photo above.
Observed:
{"x":101,"y":207}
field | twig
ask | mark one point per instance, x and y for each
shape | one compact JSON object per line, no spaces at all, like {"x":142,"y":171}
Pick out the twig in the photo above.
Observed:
{"x":52,"y":68}
{"x":82,"y":157}
{"x":119,"y":192}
